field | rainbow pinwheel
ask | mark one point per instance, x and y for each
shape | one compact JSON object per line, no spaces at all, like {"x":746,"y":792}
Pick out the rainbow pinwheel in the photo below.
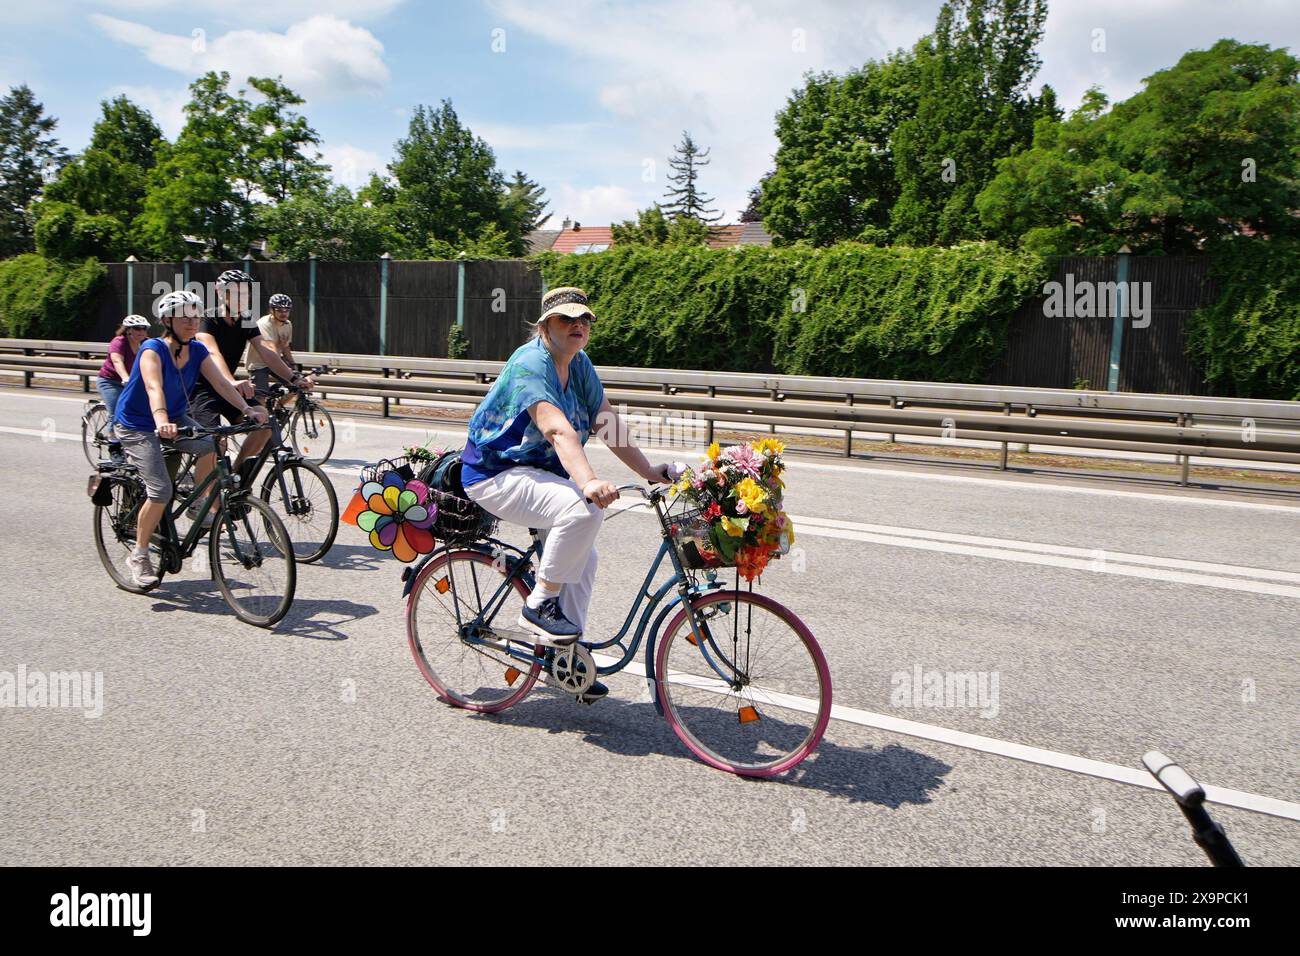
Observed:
{"x":399,"y":516}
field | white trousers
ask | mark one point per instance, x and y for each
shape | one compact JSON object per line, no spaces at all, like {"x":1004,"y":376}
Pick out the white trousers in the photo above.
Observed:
{"x":536,"y":498}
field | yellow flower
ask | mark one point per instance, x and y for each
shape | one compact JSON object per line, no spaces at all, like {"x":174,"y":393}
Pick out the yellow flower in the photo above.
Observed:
{"x":769,"y":445}
{"x":713,"y":452}
{"x":751,"y":493}
{"x":733,"y":528}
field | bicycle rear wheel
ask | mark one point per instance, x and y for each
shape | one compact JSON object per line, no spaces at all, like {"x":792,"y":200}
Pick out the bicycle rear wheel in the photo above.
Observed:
{"x":483,"y":678}
{"x":754,"y":697}
{"x":252,"y":561}
{"x":115,"y":527}
{"x":311,"y":432}
{"x":306,"y":505}
{"x":92,"y":424}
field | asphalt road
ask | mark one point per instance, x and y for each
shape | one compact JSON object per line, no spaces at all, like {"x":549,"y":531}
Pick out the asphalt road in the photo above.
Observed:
{"x":1114,"y":618}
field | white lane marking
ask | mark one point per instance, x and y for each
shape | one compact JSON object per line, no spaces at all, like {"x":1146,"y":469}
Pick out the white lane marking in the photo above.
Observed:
{"x":1229,"y":577}
{"x":1240,"y":799}
{"x":870,"y":469}
{"x":39,"y":433}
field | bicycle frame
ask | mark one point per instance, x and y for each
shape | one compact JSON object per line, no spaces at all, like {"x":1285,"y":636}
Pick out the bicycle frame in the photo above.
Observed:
{"x":520,"y":567}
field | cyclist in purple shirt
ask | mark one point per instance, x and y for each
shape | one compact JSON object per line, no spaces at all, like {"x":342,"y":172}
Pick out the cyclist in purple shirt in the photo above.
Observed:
{"x":121,"y":357}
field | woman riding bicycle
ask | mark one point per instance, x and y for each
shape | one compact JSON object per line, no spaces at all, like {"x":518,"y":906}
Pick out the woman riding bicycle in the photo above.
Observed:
{"x":155,"y":403}
{"x":120,"y":359}
{"x":524,"y":461}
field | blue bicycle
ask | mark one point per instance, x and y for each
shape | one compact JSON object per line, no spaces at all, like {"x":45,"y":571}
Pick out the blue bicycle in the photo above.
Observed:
{"x":737,"y":675}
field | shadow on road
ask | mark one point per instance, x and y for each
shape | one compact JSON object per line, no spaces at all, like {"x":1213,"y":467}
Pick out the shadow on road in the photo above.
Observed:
{"x":890,"y":776}
{"x":312,"y":618}
{"x":357,"y":557}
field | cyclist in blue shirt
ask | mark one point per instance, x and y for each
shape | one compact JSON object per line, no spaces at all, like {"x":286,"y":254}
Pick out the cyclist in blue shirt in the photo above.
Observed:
{"x":155,"y":403}
{"x":524,"y":461}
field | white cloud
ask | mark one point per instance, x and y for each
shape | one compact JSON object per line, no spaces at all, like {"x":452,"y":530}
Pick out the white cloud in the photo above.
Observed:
{"x":1141,"y":39}
{"x":351,"y":166}
{"x":268,"y":12}
{"x":594,"y":206}
{"x":720,"y":70}
{"x":318,"y":57}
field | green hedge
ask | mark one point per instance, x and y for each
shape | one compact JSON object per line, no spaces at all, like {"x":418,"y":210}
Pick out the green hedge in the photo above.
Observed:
{"x":927,"y":314}
{"x":45,"y":298}
{"x":1248,"y":342}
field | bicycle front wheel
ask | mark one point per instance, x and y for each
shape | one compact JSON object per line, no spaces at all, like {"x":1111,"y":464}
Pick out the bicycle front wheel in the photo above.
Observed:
{"x":311,"y":432}
{"x":480,"y":675}
{"x":306,"y":505}
{"x":754,"y":696}
{"x":252,"y":560}
{"x":92,"y":425}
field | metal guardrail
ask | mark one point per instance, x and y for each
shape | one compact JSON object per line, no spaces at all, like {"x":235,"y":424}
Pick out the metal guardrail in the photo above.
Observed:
{"x":1180,"y":426}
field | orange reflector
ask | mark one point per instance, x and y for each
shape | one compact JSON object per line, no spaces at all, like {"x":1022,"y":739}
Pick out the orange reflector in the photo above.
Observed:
{"x":512,"y":675}
{"x":355,"y":507}
{"x":441,"y":585}
{"x":690,"y":636}
{"x":748,"y":715}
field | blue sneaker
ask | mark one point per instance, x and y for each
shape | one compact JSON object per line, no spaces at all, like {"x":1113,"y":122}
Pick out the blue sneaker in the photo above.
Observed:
{"x":550,"y":625}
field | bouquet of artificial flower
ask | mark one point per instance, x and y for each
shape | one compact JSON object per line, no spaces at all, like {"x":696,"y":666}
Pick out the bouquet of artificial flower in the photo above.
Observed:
{"x":737,"y":520}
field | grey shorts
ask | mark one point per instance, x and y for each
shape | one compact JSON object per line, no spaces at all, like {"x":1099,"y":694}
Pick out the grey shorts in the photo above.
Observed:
{"x":144,"y":449}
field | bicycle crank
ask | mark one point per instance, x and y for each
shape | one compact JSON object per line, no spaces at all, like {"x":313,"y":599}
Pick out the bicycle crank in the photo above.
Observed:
{"x":572,"y":670}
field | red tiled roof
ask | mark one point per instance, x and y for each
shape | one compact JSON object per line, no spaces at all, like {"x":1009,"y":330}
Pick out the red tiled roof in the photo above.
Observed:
{"x":570,"y":239}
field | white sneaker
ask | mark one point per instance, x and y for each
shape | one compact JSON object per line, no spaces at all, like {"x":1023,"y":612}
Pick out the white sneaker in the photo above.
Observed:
{"x":142,"y":572}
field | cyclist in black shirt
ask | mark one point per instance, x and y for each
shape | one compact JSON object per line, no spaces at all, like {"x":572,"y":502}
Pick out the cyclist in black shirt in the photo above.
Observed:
{"x":226,"y":331}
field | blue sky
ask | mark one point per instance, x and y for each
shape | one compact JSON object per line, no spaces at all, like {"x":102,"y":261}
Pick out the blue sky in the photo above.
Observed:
{"x":588,"y":97}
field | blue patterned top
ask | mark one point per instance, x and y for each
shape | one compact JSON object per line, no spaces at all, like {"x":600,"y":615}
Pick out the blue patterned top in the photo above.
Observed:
{"x":501,"y":432}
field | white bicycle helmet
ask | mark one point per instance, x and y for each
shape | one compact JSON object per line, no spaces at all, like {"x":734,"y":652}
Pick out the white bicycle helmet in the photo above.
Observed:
{"x":176,"y":301}
{"x":135,"y":322}
{"x":234,"y":277}
{"x":281,"y":301}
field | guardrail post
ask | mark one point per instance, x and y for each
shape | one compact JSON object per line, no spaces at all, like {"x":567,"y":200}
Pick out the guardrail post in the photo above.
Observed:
{"x":311,"y":303}
{"x":383,"y":401}
{"x":848,"y":434}
{"x":775,"y":393}
{"x":85,"y":379}
{"x":397,"y":373}
{"x":1002,"y":462}
{"x":383,"y":304}
{"x":1183,"y":421}
{"x":708,"y":434}
{"x":893,"y":400}
{"x":27,"y":376}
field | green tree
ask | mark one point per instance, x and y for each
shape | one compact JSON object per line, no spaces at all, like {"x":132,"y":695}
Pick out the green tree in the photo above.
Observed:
{"x":29,"y":154}
{"x":973,"y":107}
{"x":331,"y":225}
{"x":834,"y":178}
{"x":283,"y":139}
{"x":203,"y":187}
{"x":650,"y":228}
{"x":1204,"y":152}
{"x":447,"y":186}
{"x":89,"y":210}
{"x":684,"y":197}
{"x":525,"y":204}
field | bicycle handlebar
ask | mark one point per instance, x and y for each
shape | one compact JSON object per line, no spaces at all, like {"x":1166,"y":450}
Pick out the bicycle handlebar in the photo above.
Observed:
{"x":185,"y":431}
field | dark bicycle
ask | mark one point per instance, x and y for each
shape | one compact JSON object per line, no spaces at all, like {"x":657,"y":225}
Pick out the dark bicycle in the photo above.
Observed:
{"x":310,"y":427}
{"x":299,"y":492}
{"x":249,"y":551}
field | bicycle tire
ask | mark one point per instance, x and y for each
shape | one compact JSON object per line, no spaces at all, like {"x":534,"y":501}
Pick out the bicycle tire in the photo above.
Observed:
{"x":95,"y":418}
{"x":127,"y":495}
{"x":422,"y":646}
{"x":315,"y":448}
{"x":308,"y":552}
{"x":677,"y":689}
{"x":236,"y":517}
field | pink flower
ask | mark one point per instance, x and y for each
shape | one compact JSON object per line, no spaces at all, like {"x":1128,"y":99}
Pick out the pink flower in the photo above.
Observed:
{"x":746,"y":459}
{"x":741,"y":507}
